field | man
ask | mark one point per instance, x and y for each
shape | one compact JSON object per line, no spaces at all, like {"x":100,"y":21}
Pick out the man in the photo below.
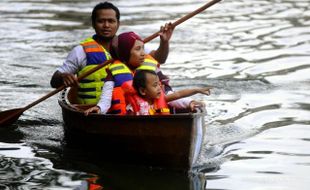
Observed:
{"x":95,"y":50}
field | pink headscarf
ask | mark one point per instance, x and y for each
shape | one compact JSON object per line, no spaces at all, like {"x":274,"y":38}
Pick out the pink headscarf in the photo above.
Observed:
{"x":125,"y":42}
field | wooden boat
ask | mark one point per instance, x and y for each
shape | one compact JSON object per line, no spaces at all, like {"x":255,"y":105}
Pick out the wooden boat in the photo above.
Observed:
{"x":167,"y":141}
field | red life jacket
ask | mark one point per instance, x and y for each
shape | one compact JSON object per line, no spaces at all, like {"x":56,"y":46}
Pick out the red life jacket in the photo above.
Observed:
{"x":92,"y":184}
{"x":160,"y":106}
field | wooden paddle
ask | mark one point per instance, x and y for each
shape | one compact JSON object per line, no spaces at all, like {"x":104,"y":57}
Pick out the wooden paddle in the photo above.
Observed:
{"x":9,"y":116}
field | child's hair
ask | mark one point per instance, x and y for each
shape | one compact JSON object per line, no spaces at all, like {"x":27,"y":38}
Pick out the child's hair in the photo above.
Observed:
{"x":139,"y":80}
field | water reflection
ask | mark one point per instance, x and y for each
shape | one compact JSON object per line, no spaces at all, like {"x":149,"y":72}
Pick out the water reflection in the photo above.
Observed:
{"x":34,"y":173}
{"x":10,"y":136}
{"x":113,"y":175}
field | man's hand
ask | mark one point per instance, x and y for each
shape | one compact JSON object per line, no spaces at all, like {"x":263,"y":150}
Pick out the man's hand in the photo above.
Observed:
{"x":69,"y":79}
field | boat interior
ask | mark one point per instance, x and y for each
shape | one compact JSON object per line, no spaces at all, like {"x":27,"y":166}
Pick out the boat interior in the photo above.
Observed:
{"x":71,"y":94}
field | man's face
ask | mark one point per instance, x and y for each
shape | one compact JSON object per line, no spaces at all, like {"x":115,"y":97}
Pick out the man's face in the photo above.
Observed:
{"x":106,"y":23}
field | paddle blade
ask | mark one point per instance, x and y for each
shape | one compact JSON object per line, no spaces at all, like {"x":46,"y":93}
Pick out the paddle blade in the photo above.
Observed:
{"x":10,"y":116}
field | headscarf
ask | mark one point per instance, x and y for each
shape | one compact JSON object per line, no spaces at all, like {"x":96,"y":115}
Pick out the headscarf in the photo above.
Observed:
{"x":123,"y":44}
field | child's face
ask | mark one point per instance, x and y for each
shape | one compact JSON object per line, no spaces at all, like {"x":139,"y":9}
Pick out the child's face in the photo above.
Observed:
{"x":137,"y":54}
{"x":152,"y":87}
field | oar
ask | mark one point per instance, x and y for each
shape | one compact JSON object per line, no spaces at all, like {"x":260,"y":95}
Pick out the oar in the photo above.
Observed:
{"x":9,"y":116}
{"x":184,"y":18}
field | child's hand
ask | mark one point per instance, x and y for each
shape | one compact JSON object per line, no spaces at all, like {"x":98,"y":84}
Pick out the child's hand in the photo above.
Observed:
{"x":205,"y":91}
{"x":196,"y":104}
{"x":95,"y":109}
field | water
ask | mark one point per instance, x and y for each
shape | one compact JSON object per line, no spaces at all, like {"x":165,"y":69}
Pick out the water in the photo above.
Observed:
{"x":255,"y":53}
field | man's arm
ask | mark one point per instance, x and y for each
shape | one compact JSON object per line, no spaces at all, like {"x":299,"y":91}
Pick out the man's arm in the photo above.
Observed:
{"x":56,"y":80}
{"x":65,"y":74}
{"x":67,"y":79}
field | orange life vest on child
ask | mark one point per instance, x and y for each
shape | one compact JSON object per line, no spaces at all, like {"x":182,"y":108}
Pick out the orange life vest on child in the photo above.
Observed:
{"x":122,"y":74}
{"x":160,"y":106}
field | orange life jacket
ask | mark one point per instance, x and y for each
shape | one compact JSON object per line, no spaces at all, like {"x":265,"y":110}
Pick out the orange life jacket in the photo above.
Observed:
{"x":160,"y":106}
{"x":121,"y":74}
{"x":92,"y":184}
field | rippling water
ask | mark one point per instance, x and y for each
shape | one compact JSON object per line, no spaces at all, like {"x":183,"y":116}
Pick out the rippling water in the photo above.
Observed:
{"x":255,"y":53}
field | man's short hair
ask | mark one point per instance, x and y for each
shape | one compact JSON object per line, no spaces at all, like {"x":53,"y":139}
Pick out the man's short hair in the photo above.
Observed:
{"x":104,"y":5}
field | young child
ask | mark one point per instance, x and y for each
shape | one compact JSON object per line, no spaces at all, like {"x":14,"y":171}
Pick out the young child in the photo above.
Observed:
{"x":149,"y":99}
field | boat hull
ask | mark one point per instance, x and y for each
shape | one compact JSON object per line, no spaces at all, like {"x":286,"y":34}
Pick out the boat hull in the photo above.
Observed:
{"x":167,"y":141}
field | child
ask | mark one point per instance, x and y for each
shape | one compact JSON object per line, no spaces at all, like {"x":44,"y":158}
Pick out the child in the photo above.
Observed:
{"x":149,"y":99}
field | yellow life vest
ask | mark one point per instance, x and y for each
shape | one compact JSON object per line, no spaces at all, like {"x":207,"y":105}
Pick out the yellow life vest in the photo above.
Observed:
{"x":149,"y":64}
{"x":90,"y":87}
{"x":121,"y":74}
